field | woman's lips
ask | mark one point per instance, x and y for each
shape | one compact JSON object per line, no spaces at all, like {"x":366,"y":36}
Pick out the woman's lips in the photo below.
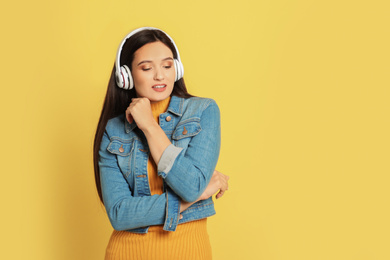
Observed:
{"x":159,"y":87}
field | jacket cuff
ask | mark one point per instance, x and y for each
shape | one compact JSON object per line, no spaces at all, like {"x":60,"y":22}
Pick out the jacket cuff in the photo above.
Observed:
{"x":172,"y":211}
{"x":167,"y":159}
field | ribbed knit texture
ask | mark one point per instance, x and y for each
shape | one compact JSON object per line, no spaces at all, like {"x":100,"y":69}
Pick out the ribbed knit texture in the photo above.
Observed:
{"x":190,"y":241}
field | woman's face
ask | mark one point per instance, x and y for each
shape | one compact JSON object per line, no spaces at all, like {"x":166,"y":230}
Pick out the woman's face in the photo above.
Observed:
{"x":153,"y":71}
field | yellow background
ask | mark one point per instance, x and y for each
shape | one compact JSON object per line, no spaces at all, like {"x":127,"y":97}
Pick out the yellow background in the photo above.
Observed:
{"x":303,"y":87}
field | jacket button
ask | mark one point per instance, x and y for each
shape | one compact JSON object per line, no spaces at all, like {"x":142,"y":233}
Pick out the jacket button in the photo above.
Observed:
{"x":168,"y":118}
{"x":185,"y":131}
{"x":121,"y":150}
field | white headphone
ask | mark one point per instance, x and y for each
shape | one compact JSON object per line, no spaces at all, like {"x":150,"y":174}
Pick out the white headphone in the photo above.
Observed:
{"x":122,"y":73}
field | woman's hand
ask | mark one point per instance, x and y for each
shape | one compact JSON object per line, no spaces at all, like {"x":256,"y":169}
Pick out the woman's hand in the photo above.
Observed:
{"x":218,"y":182}
{"x":140,"y":111}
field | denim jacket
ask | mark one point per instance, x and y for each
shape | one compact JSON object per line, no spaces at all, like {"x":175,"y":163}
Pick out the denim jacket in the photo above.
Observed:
{"x":186,"y":166}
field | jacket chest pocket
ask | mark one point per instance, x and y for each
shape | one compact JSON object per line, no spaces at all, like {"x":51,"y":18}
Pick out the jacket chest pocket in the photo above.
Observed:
{"x":184,"y":132}
{"x":124,"y":151}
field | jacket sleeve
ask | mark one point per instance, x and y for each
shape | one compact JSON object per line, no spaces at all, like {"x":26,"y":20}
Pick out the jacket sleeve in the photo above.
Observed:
{"x":188,"y":171}
{"x":124,"y":210}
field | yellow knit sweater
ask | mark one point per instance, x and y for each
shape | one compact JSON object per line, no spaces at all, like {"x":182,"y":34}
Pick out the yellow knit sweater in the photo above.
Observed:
{"x":189,"y":241}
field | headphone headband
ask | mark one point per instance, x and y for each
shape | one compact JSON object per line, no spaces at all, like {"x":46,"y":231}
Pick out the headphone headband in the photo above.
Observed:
{"x":123,"y":76}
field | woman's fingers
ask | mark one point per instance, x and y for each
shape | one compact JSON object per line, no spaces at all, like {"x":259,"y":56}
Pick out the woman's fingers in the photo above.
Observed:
{"x":139,"y":110}
{"x":220,"y":194}
{"x":224,"y":186}
{"x":129,"y":117}
{"x":218,"y":184}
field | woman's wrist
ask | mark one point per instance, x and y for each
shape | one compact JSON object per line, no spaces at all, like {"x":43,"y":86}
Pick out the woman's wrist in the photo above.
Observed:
{"x":185,"y":205}
{"x":150,"y":128}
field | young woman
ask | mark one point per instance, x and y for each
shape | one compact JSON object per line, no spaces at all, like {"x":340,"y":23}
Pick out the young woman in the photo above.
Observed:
{"x":155,"y":151}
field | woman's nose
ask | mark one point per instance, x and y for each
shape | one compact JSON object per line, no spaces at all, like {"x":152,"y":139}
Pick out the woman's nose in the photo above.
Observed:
{"x":159,"y":74}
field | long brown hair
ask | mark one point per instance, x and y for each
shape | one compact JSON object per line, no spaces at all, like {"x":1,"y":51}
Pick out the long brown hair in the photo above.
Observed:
{"x":117,"y":100}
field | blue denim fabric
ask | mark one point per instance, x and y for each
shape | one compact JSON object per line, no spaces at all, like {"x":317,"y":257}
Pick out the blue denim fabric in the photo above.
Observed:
{"x":186,"y":167}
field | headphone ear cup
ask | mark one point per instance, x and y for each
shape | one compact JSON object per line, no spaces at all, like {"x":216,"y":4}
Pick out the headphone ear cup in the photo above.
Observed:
{"x":119,"y":79}
{"x":179,"y":69}
{"x":123,"y":78}
{"x":130,"y":82}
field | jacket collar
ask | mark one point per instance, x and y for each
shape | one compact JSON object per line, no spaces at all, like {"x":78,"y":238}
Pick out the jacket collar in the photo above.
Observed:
{"x":129,"y":127}
{"x":175,"y":107}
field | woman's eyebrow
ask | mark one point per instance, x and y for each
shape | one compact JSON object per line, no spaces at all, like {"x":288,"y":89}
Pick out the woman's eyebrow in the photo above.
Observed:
{"x":169,"y":58}
{"x":148,"y":61}
{"x":144,"y":61}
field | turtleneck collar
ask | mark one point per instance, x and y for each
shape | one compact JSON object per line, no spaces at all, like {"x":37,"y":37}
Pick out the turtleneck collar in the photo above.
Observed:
{"x":160,"y":107}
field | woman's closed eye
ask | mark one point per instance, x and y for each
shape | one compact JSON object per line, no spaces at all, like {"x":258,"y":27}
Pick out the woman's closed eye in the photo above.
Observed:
{"x":167,"y":64}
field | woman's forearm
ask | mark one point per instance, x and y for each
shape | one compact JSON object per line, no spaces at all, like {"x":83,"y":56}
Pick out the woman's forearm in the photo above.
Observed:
{"x":157,"y":141}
